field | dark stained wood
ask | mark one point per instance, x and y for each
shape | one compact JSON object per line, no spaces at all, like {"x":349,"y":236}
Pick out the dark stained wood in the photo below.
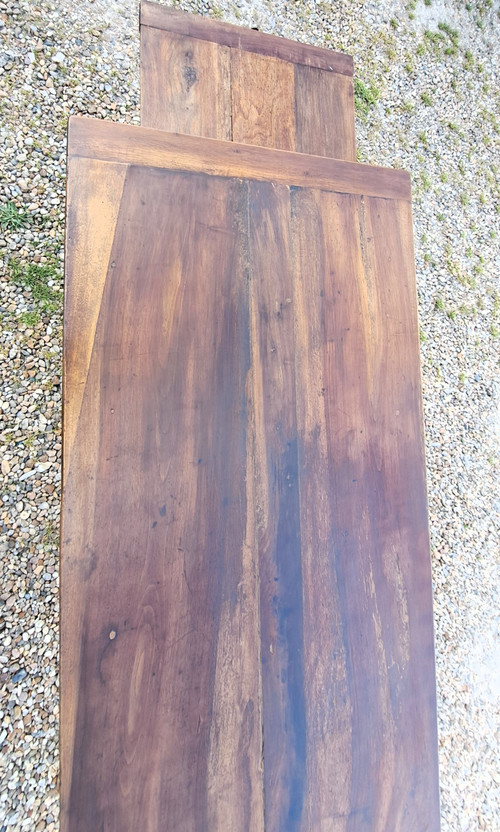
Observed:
{"x":186,"y":85}
{"x":363,"y":514}
{"x":324,"y":113}
{"x":158,"y":16}
{"x":199,"y":80}
{"x":262,"y":99}
{"x":164,"y":715}
{"x":246,"y":611}
{"x":277,"y":504}
{"x":111,"y":142}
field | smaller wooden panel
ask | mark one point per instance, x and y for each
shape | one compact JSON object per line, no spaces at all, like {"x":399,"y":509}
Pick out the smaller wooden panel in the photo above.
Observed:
{"x":205,"y":78}
{"x":324,"y":113}
{"x":262,"y":99}
{"x":185,"y":85}
{"x":112,"y":142}
{"x":172,"y":20}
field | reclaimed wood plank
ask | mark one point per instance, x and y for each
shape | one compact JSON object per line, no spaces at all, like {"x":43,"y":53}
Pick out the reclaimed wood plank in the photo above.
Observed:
{"x":324,"y":113}
{"x":167,"y":697}
{"x":89,"y":241}
{"x":169,"y":19}
{"x":363,"y":516}
{"x":246,"y":605}
{"x":185,"y":85}
{"x":278,"y":503}
{"x":262,"y":100}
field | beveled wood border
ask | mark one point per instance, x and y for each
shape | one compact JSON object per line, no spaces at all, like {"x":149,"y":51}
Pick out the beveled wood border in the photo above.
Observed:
{"x":157,"y":16}
{"x":133,"y":145}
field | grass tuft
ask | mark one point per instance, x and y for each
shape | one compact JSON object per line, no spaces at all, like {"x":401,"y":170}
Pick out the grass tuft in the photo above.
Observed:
{"x":29,"y":319}
{"x":364,"y":97}
{"x":36,"y":278}
{"x":13,"y":218}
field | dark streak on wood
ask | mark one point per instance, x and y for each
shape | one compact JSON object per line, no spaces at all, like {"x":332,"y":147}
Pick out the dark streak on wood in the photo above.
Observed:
{"x":278,"y":515}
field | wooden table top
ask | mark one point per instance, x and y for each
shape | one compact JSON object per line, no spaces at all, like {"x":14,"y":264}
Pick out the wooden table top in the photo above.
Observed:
{"x":246,"y":611}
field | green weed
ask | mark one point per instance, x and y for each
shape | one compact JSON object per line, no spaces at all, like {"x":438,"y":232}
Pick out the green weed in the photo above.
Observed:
{"x":435,"y":38}
{"x":217,"y":12}
{"x":50,"y":536}
{"x":13,"y":218}
{"x":29,"y":319}
{"x":452,"y":49}
{"x":426,"y":182}
{"x":364,"y":97}
{"x":36,"y":278}
{"x":469,"y":59}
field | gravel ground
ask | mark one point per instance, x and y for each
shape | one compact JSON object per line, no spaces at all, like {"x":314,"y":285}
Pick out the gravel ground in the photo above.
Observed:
{"x":428,"y":100}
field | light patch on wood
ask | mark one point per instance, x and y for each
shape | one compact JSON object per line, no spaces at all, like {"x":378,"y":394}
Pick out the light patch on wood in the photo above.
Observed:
{"x":386,"y":772}
{"x":96,"y":193}
{"x":235,"y":763}
{"x":262,"y":100}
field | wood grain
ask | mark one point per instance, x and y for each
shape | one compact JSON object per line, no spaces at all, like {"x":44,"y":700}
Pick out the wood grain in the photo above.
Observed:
{"x":324,"y":113}
{"x":262,"y":100}
{"x":168,"y":697}
{"x":362,"y":456}
{"x":157,"y":16}
{"x":112,"y":142}
{"x":246,"y":611}
{"x":205,"y":78}
{"x":186,"y":85}
{"x":90,"y":244}
{"x":277,"y":506}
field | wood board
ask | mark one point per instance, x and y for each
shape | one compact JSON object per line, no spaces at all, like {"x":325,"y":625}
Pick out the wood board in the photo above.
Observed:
{"x":246,"y":612}
{"x":207,"y":78}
